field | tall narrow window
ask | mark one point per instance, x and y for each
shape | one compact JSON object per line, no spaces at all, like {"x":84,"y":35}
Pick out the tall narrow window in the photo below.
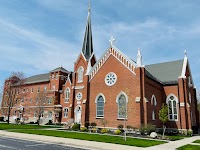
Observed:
{"x":100,"y":100}
{"x":172,"y":107}
{"x":66,"y":110}
{"x":153,"y":104}
{"x":67,"y":94}
{"x":80,"y":74}
{"x":122,"y":106}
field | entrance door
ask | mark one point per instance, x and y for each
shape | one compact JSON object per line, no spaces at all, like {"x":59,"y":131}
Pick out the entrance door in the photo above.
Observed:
{"x":78,"y":115}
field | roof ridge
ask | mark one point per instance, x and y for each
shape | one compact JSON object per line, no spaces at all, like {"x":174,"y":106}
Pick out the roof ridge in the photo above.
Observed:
{"x":165,"y":62}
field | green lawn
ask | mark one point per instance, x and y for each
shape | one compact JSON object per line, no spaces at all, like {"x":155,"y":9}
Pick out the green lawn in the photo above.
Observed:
{"x":95,"y":137}
{"x":189,"y":147}
{"x":197,"y":141}
{"x":5,"y":126}
{"x":177,"y":137}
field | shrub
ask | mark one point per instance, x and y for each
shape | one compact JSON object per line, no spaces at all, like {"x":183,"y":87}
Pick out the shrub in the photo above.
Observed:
{"x":76,"y":127}
{"x":84,"y":129}
{"x":93,"y":124}
{"x":87,"y":124}
{"x":129,"y":127}
{"x":142,"y":129}
{"x":17,"y":120}
{"x":94,"y":130}
{"x":49,"y":122}
{"x":120,"y":127}
{"x":189,"y":132}
{"x":150,"y":128}
{"x":104,"y":130}
{"x":117,"y":132}
{"x":2,"y":118}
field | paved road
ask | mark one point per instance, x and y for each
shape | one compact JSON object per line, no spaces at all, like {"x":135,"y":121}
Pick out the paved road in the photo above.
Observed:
{"x":18,"y":144}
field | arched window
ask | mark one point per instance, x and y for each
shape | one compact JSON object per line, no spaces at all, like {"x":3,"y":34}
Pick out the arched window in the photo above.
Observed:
{"x":172,"y":107}
{"x":100,"y":100}
{"x":80,"y":74}
{"x":67,"y":94}
{"x":122,"y":101}
{"x":153,"y":103}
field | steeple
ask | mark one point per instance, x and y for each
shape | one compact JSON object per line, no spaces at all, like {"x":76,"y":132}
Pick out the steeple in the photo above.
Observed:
{"x":87,"y":43}
{"x":139,"y":59}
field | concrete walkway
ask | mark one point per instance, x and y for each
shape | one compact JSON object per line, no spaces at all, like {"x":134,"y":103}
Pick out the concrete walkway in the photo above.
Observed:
{"x":172,"y":145}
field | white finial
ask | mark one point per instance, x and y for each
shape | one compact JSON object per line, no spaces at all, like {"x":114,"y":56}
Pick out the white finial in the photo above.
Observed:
{"x":112,"y":39}
{"x":139,"y":58}
{"x":185,"y":52}
{"x":139,"y":53}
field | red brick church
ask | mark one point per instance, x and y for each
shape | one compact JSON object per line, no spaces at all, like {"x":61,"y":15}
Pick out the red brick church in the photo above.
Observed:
{"x":113,"y":87}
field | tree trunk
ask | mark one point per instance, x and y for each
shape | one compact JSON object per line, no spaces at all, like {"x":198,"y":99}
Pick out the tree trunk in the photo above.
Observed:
{"x":9,"y":109}
{"x":163,"y":130}
{"x":39,"y":120}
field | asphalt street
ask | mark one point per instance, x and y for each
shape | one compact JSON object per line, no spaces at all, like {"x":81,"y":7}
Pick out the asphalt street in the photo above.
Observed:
{"x":7,"y":143}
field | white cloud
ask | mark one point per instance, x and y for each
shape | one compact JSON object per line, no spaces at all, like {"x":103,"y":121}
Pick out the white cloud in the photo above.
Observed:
{"x":49,"y":53}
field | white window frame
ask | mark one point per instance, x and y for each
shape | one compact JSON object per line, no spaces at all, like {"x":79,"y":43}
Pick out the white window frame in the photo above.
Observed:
{"x":53,"y":87}
{"x":35,"y":114}
{"x":49,"y":100}
{"x":153,"y":103}
{"x":67,"y":97}
{"x":79,"y":96}
{"x":57,"y":76}
{"x":96,"y":101}
{"x":45,"y":88}
{"x":80,"y":74}
{"x":65,"y":114}
{"x":32,"y":90}
{"x":117,"y":101}
{"x":172,"y":113}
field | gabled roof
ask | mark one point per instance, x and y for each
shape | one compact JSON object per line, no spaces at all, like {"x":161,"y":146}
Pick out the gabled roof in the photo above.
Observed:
{"x":60,"y":69}
{"x":37,"y":79}
{"x":165,"y":73}
{"x":112,"y":50}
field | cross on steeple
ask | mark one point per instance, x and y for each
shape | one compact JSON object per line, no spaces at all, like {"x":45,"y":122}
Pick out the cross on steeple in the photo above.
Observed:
{"x":112,"y":39}
{"x":89,"y":6}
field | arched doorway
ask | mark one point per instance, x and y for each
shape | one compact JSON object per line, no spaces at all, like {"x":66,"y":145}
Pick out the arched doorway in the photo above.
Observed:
{"x":78,"y":114}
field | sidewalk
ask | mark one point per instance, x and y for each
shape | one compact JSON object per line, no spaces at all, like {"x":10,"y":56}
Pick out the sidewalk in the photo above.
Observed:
{"x":90,"y":145}
{"x":172,"y":145}
{"x":70,"y":142}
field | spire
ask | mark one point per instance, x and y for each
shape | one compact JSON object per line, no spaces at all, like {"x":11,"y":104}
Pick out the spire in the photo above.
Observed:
{"x":87,"y":43}
{"x":139,"y":59}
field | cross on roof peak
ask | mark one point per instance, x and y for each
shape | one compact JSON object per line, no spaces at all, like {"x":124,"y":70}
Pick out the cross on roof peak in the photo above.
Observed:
{"x":112,"y":39}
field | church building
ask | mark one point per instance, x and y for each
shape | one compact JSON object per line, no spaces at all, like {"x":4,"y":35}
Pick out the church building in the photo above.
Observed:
{"x":113,"y":87}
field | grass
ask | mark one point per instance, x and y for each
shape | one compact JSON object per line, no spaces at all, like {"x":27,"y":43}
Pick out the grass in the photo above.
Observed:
{"x":197,"y":141}
{"x":189,"y":147}
{"x":177,"y":137}
{"x":95,"y":137}
{"x":5,"y":126}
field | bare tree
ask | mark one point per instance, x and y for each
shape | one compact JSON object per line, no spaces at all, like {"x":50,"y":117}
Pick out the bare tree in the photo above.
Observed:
{"x":41,"y":99}
{"x":198,"y":100}
{"x":11,"y":91}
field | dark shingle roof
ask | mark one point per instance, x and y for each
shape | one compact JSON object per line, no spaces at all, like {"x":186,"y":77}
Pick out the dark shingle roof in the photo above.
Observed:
{"x":60,"y":69}
{"x":37,"y":79}
{"x":165,"y":73}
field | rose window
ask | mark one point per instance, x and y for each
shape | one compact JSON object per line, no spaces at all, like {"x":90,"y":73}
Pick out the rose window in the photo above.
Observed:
{"x":110,"y":79}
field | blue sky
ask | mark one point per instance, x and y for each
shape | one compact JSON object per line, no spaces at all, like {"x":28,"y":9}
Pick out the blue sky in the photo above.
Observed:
{"x":37,"y":36}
